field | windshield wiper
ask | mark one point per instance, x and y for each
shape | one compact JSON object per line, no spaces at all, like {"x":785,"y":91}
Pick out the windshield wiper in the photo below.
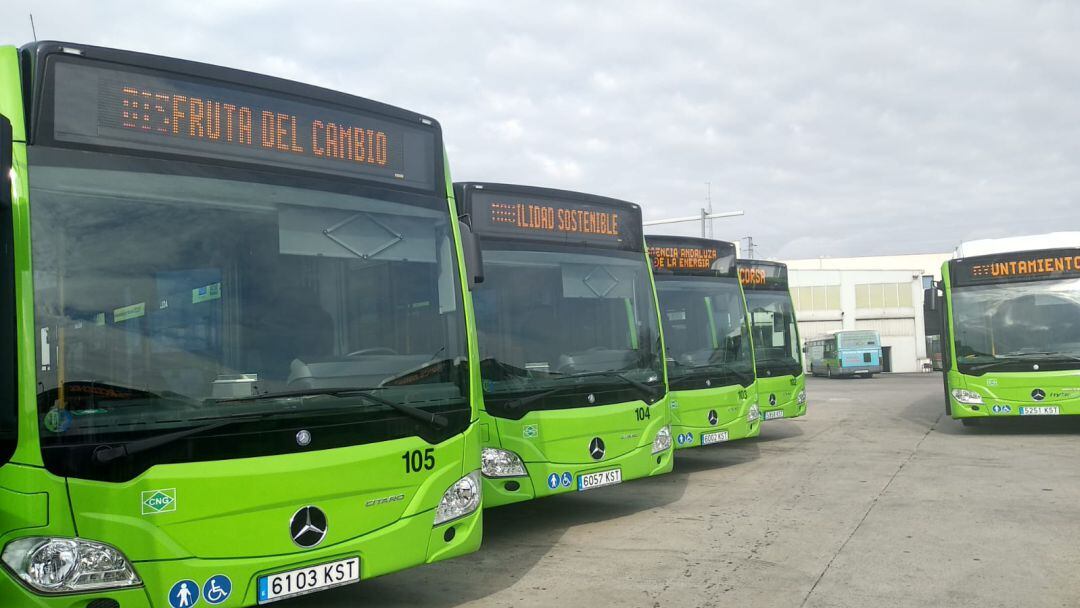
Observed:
{"x":1012,"y":358}
{"x":649,"y":392}
{"x":437,"y":421}
{"x":1046,"y":354}
{"x":104,"y":454}
{"x":745,"y":378}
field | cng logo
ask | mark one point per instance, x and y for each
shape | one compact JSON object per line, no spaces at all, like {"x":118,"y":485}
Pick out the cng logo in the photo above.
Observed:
{"x":159,"y":501}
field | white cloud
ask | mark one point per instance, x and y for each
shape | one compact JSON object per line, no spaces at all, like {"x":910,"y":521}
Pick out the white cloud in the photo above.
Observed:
{"x":840,"y":128}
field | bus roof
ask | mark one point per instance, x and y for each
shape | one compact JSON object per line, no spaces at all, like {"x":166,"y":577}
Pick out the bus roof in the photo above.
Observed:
{"x":1050,"y":240}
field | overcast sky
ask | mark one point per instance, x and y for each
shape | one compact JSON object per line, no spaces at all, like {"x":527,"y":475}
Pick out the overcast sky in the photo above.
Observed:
{"x":849,"y":128}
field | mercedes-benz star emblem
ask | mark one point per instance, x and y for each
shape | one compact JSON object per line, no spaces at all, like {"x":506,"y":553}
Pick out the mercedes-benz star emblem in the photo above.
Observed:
{"x":772,"y":399}
{"x":1038,"y":394}
{"x":303,"y":438}
{"x":596,"y":448}
{"x":712,"y":417}
{"x":308,"y":527}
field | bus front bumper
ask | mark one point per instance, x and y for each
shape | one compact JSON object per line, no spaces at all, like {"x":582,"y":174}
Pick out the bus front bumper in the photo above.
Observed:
{"x":411,"y":541}
{"x":539,"y":480}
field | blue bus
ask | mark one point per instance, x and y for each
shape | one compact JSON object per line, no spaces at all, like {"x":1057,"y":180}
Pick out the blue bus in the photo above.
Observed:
{"x":845,"y":353}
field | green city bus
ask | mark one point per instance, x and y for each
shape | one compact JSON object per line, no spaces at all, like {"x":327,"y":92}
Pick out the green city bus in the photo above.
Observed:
{"x":1012,"y":332}
{"x":781,"y":383}
{"x":236,"y":355}
{"x":569,"y":342}
{"x":710,"y":358}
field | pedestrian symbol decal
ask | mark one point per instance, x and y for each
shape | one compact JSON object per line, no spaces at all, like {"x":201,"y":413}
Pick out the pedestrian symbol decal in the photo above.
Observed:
{"x":567,"y":479}
{"x":217,"y":589}
{"x":184,"y":594}
{"x":553,"y":481}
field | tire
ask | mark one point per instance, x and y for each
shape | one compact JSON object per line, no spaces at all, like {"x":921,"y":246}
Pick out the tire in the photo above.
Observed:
{"x":868,"y":376}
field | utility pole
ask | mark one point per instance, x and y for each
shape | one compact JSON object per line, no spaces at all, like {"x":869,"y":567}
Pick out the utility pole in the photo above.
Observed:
{"x":749,"y":247}
{"x":703,"y":217}
{"x":708,"y":209}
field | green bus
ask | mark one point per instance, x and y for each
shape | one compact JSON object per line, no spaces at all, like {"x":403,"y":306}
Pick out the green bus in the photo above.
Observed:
{"x":710,"y":358}
{"x":235,"y":349}
{"x":569,"y":338}
{"x":781,"y":382}
{"x":1012,"y":331}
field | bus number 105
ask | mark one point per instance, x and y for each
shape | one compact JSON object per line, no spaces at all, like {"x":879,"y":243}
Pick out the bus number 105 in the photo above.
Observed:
{"x":417,"y":460}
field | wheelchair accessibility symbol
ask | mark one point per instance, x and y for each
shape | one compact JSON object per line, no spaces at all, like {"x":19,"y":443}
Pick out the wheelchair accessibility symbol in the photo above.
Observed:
{"x":217,"y":589}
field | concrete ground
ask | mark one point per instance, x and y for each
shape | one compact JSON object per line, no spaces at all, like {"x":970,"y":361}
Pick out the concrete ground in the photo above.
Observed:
{"x":874,"y":499}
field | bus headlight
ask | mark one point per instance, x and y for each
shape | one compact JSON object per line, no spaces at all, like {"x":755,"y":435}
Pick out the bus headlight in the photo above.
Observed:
{"x":501,"y":463}
{"x":967,"y":397}
{"x":754,"y":413}
{"x":61,"y":565}
{"x":662,"y":440}
{"x":801,"y":399}
{"x":460,"y":500}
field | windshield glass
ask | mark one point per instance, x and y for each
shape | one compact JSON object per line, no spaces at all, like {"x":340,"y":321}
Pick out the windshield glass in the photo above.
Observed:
{"x":158,"y":297}
{"x":776,"y":339}
{"x":1016,"y":324}
{"x":546,"y":317}
{"x":858,"y":340}
{"x":705,"y":332}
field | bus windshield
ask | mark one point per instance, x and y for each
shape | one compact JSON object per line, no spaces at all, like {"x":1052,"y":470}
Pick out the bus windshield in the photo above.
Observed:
{"x":554,"y":317}
{"x":705,"y":332}
{"x":776,"y":339}
{"x":1010,"y":326}
{"x":856,"y":340}
{"x":170,"y":296}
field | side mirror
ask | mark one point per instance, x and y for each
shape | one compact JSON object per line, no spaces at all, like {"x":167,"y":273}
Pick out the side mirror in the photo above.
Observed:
{"x":474,"y":259}
{"x":6,"y":146}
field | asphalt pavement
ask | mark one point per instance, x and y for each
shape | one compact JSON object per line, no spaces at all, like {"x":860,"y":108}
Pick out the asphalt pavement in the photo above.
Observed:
{"x":874,"y":499}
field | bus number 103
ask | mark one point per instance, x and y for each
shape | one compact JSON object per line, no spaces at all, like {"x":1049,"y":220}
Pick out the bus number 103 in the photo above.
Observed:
{"x":417,"y":460}
{"x":642,"y":413}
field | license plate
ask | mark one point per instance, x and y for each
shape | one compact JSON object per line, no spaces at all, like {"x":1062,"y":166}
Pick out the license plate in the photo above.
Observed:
{"x":774,"y":414}
{"x":308,"y":580}
{"x":590,"y":481}
{"x":707,"y":438}
{"x":1042,"y":410}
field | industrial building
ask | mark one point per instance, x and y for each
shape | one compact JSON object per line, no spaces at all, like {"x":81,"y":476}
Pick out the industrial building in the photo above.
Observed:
{"x":884,"y":293}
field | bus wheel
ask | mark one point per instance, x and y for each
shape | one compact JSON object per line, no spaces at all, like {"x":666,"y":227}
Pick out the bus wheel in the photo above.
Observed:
{"x":869,"y":375}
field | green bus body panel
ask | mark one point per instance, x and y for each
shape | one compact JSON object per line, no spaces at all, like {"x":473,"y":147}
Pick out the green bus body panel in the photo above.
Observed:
{"x":690,"y":414}
{"x":227,"y":517}
{"x":1012,"y":389}
{"x":11,"y":92}
{"x":241,"y":508}
{"x":786,"y":389}
{"x":561,"y":445}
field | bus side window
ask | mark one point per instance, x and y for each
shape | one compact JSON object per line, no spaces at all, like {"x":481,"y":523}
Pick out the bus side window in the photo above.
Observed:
{"x":9,"y":399}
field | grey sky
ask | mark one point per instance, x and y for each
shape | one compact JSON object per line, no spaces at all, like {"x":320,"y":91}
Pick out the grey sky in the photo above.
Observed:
{"x":847,"y":128}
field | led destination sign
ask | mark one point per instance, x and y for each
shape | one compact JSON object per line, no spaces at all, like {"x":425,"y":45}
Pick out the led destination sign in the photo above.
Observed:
{"x":1021,"y":266}
{"x":691,"y":256}
{"x":754,"y":274}
{"x":539,"y":217}
{"x":121,"y":108}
